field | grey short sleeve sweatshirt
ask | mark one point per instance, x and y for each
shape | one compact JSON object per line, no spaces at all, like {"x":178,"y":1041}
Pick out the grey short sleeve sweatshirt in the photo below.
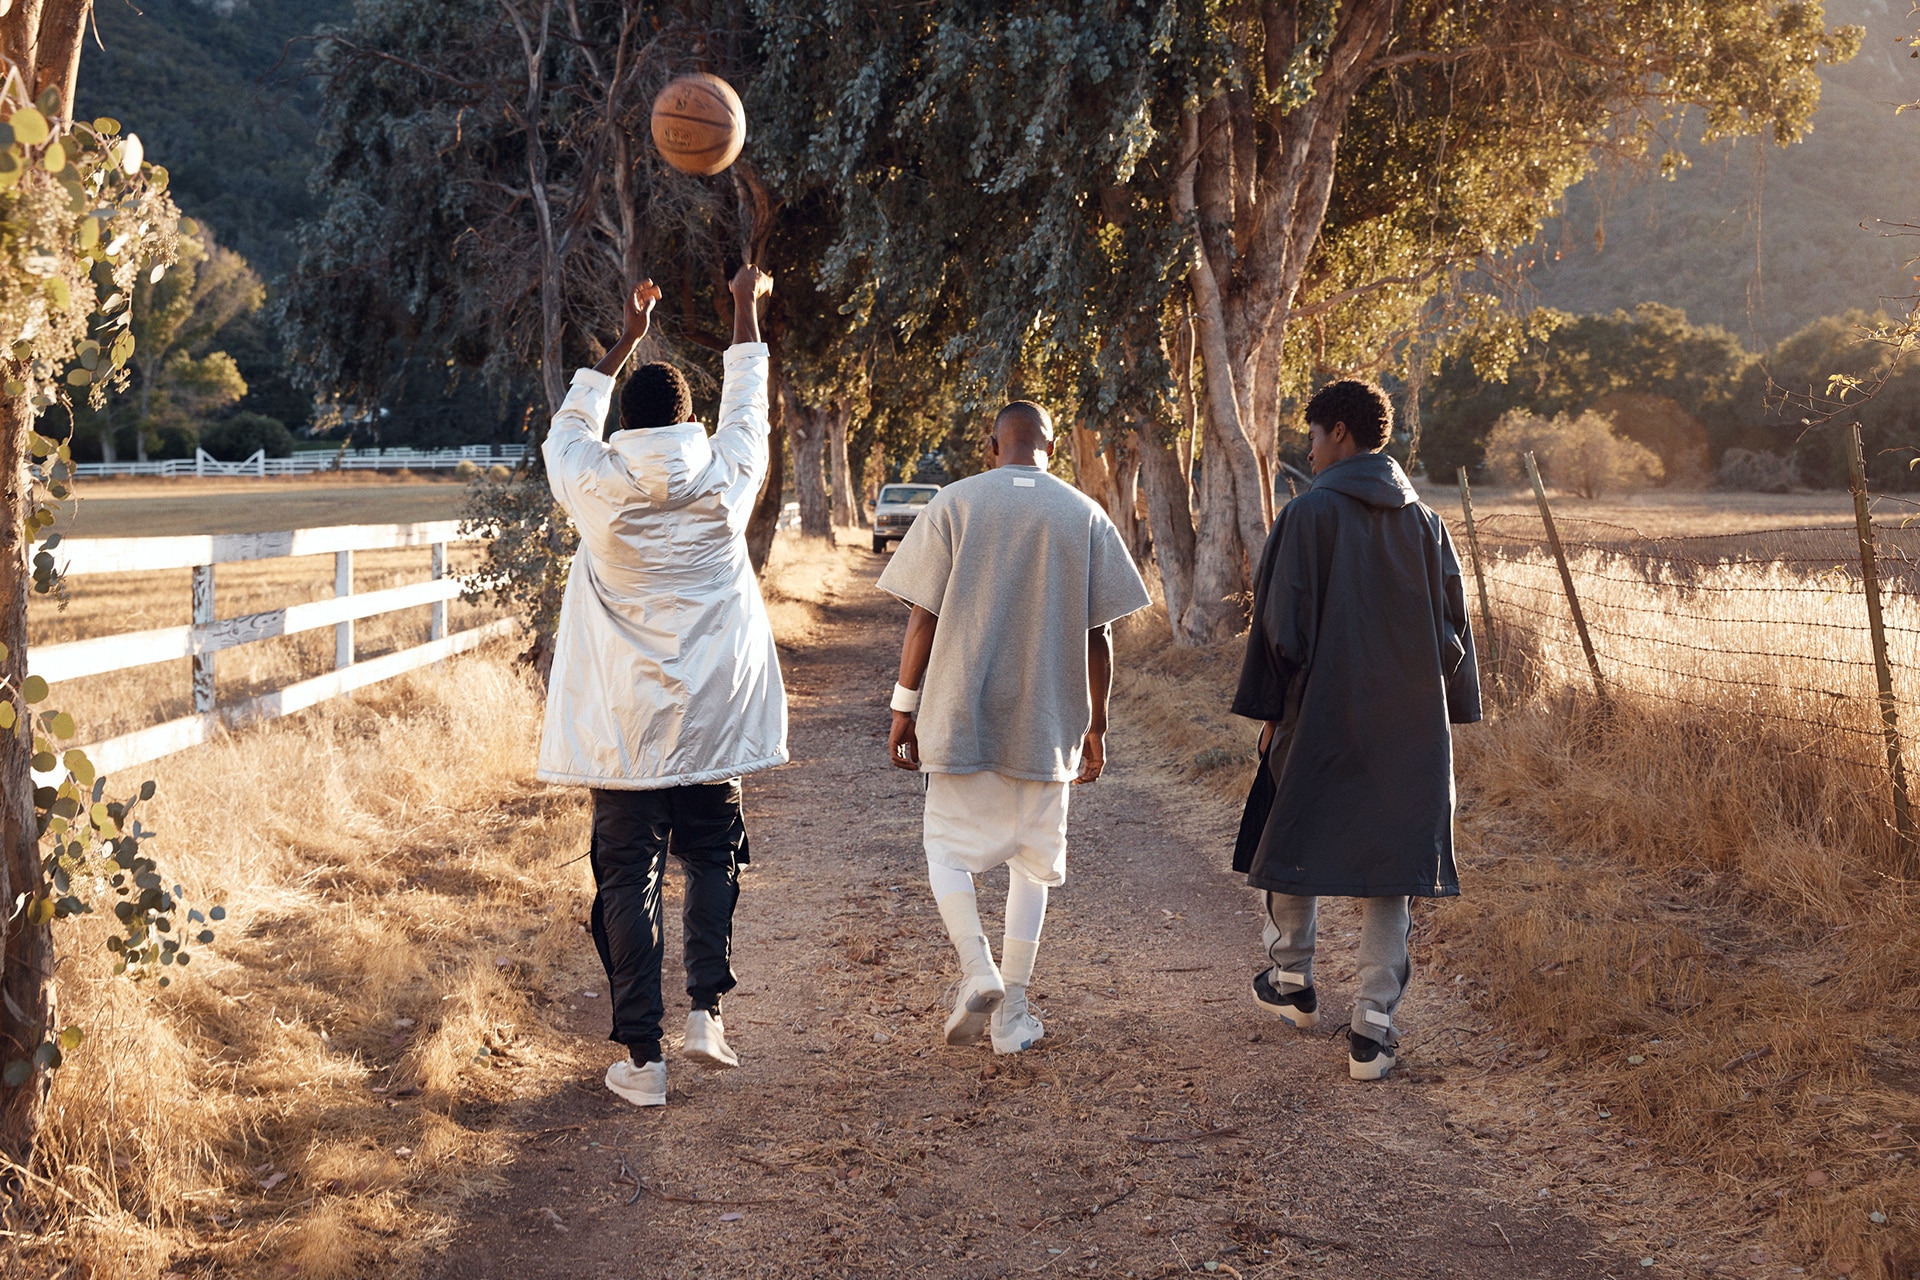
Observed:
{"x":1019,"y":566}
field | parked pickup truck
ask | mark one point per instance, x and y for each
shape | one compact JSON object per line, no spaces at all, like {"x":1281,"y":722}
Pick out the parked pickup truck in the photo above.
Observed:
{"x":896,"y":510}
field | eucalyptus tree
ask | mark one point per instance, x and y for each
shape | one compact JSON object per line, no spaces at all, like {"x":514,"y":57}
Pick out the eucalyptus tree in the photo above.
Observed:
{"x":82,"y":216}
{"x":1116,"y":201}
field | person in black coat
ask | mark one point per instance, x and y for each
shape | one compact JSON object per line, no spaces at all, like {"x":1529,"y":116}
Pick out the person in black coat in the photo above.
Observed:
{"x":1359,"y":659}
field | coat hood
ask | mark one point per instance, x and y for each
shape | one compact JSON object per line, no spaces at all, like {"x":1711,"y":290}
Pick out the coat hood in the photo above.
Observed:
{"x":1373,"y":478}
{"x":663,"y":462}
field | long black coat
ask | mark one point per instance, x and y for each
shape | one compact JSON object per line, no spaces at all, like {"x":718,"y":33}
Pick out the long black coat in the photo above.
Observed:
{"x":1361,"y":650}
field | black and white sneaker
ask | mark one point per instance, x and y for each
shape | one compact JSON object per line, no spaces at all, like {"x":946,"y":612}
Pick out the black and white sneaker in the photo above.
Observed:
{"x":1300,"y":1007}
{"x":1367,"y":1059}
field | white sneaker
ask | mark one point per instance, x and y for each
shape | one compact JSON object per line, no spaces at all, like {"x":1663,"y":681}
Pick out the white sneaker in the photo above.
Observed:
{"x":642,"y":1086}
{"x":975,"y":1000}
{"x":1014,"y":1027}
{"x":707,"y":1041}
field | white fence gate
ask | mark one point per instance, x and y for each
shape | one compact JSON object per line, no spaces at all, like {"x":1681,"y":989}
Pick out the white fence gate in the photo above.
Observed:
{"x":205,"y":636}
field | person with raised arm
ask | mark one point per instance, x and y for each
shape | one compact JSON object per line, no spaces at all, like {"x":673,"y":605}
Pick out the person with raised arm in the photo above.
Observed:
{"x":666,"y":686}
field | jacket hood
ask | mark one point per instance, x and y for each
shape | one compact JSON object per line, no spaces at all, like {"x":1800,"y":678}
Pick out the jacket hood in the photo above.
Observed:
{"x":664,"y":462}
{"x":1373,"y":478}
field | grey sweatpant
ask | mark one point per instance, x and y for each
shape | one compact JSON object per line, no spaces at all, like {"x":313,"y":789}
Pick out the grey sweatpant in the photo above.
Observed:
{"x":1384,"y":967}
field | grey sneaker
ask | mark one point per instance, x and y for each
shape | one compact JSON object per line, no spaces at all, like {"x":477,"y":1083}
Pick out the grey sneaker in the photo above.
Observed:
{"x":1014,"y":1028}
{"x":975,"y":999}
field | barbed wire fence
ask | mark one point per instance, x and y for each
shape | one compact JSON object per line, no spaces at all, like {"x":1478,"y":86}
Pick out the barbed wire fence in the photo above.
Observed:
{"x":1812,"y":634}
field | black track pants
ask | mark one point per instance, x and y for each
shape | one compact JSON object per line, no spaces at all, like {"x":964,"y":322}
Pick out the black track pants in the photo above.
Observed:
{"x":633,"y":831}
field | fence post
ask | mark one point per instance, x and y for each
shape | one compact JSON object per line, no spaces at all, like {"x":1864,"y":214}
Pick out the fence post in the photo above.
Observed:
{"x":202,"y":615}
{"x":343,"y":631}
{"x":1479,"y":566}
{"x":1566,"y":576}
{"x":439,"y":629}
{"x":1882,"y":668}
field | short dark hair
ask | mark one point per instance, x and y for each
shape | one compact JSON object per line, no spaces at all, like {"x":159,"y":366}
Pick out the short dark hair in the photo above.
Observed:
{"x":656,"y":395}
{"x":1362,"y":406}
{"x":1036,"y":416}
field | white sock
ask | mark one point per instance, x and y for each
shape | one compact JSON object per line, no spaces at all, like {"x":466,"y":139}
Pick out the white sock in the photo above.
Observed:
{"x":960,"y":912}
{"x":1026,"y":913}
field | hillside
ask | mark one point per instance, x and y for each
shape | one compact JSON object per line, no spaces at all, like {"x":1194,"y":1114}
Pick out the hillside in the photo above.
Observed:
{"x":212,"y":88}
{"x":1691,"y":242}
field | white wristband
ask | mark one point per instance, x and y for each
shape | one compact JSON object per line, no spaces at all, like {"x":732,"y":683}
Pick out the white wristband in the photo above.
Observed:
{"x":905,"y":699}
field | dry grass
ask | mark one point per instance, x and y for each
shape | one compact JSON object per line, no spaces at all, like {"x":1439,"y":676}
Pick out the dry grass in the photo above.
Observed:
{"x":1689,"y":910}
{"x":402,"y":897}
{"x":1667,"y":512}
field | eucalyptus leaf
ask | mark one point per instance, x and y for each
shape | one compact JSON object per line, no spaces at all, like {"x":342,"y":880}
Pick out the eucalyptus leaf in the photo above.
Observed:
{"x":29,"y":126}
{"x":34,"y":689}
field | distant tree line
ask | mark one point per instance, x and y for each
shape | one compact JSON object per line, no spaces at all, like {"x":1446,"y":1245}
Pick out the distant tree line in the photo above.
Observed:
{"x":1705,"y":408}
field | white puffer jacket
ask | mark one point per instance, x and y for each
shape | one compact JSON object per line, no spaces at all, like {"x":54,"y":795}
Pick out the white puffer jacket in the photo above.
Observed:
{"x":665,"y":672}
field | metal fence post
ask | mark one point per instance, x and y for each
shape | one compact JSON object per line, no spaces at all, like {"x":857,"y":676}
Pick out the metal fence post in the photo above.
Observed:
{"x":1882,"y":668}
{"x":439,"y":628}
{"x":1479,"y":566}
{"x":343,"y":631}
{"x":1566,"y":576}
{"x":202,"y":615}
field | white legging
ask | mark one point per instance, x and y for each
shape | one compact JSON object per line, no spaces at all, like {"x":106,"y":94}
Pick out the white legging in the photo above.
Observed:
{"x":1026,"y":899}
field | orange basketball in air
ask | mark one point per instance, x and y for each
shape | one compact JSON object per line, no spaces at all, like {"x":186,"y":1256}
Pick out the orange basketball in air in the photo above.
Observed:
{"x":699,"y":124}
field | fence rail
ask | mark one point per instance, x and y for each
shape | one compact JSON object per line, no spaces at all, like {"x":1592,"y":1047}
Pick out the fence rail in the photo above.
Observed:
{"x":312,"y":462}
{"x":206,"y":636}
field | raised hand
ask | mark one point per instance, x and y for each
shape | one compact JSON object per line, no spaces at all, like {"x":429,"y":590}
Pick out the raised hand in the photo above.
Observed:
{"x":750,"y":282}
{"x":639,"y":311}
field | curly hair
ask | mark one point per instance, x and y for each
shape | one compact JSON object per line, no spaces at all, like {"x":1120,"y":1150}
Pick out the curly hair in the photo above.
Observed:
{"x":1362,"y":406}
{"x":656,"y":395}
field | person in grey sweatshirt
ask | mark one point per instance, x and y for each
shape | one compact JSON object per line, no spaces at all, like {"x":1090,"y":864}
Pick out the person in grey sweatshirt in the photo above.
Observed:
{"x":1359,"y":659}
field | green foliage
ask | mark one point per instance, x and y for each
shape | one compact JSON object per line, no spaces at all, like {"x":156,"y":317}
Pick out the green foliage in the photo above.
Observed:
{"x":1814,"y":385}
{"x":529,"y":549}
{"x":83,"y":219}
{"x":1029,"y":150}
{"x":1691,"y":395}
{"x":235,"y":438}
{"x":1567,"y":365}
{"x":1580,"y":453}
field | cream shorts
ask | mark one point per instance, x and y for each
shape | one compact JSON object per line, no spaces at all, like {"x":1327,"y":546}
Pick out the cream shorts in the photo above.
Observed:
{"x":978,"y":821}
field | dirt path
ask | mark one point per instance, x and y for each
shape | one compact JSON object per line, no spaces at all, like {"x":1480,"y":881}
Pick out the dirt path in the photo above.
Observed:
{"x":1164,"y":1127}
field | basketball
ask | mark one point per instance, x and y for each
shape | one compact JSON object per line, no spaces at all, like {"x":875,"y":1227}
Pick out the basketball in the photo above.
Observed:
{"x":699,"y":124}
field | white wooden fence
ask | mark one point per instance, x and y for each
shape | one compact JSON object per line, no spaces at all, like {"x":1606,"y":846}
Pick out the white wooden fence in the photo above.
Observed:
{"x":205,"y":636}
{"x":312,"y":462}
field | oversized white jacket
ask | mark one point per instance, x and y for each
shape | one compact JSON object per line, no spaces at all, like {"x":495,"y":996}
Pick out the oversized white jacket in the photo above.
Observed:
{"x":665,"y":672}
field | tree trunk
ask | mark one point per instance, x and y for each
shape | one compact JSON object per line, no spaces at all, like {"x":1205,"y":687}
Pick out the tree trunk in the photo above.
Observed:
{"x":1125,"y":474}
{"x":42,"y":39}
{"x":26,"y":950}
{"x":1233,"y":517}
{"x":846,"y":510}
{"x":807,"y":434}
{"x":764,"y":522}
{"x":1171,"y":516}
